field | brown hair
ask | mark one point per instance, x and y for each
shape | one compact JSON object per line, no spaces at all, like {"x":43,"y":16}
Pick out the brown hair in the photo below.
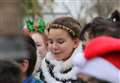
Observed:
{"x":100,"y":26}
{"x":69,"y":24}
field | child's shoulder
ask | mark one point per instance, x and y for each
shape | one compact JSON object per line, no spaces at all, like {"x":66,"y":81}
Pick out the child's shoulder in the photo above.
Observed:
{"x":38,"y":81}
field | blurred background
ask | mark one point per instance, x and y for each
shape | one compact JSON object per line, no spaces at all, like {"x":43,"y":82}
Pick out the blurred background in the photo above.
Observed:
{"x":12,"y":12}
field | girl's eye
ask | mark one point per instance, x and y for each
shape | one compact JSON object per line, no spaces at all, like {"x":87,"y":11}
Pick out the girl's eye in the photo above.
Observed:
{"x":38,"y":45}
{"x":60,"y":41}
{"x":50,"y":42}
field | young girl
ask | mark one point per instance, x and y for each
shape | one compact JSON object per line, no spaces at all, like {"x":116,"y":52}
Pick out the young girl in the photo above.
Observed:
{"x":35,"y":29}
{"x":63,"y":38}
{"x":101,"y":54}
{"x":39,"y":40}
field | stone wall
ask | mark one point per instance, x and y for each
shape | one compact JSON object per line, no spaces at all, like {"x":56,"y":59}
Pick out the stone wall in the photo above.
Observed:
{"x":10,"y":16}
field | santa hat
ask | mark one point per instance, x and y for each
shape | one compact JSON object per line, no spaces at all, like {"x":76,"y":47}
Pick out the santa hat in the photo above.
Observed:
{"x":101,"y":59}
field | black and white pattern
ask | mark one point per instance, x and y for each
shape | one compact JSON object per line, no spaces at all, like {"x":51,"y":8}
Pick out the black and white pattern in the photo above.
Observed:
{"x":53,"y":71}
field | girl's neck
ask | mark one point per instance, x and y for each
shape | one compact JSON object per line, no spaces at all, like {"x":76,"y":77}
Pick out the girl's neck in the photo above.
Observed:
{"x":24,"y":76}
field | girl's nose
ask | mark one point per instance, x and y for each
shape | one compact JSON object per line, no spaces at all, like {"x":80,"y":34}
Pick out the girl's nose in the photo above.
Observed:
{"x":54,"y":45}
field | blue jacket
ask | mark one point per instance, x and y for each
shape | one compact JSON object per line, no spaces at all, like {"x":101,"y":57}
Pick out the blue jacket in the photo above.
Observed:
{"x":31,"y":79}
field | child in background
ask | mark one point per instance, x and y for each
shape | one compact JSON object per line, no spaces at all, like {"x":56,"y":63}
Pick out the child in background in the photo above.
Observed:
{"x":35,"y":29}
{"x":98,"y":27}
{"x":9,"y":72}
{"x":101,"y":54}
{"x":23,"y":51}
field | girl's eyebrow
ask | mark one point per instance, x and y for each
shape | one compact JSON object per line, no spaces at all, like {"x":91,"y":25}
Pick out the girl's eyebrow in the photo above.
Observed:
{"x":60,"y":39}
{"x":56,"y":39}
{"x":49,"y":39}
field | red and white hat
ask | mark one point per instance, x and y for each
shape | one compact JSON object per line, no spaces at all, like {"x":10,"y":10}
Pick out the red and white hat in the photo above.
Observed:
{"x":100,"y":59}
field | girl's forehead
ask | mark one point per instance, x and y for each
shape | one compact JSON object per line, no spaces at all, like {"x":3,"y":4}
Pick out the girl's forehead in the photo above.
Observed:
{"x":36,"y":36}
{"x":57,"y":31}
{"x":58,"y":34}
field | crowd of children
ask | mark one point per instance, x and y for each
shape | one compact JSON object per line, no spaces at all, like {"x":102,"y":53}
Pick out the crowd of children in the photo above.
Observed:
{"x":63,"y":52}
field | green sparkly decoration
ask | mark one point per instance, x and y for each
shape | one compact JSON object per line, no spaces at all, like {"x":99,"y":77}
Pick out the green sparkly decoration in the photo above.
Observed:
{"x":30,"y":23}
{"x":41,"y":25}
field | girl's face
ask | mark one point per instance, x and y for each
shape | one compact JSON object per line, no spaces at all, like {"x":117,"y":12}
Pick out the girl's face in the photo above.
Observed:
{"x":61,"y":44}
{"x":40,"y":44}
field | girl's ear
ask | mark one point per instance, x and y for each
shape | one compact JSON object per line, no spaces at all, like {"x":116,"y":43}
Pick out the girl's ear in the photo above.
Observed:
{"x":87,"y":36}
{"x":76,"y":42}
{"x":24,"y":66}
